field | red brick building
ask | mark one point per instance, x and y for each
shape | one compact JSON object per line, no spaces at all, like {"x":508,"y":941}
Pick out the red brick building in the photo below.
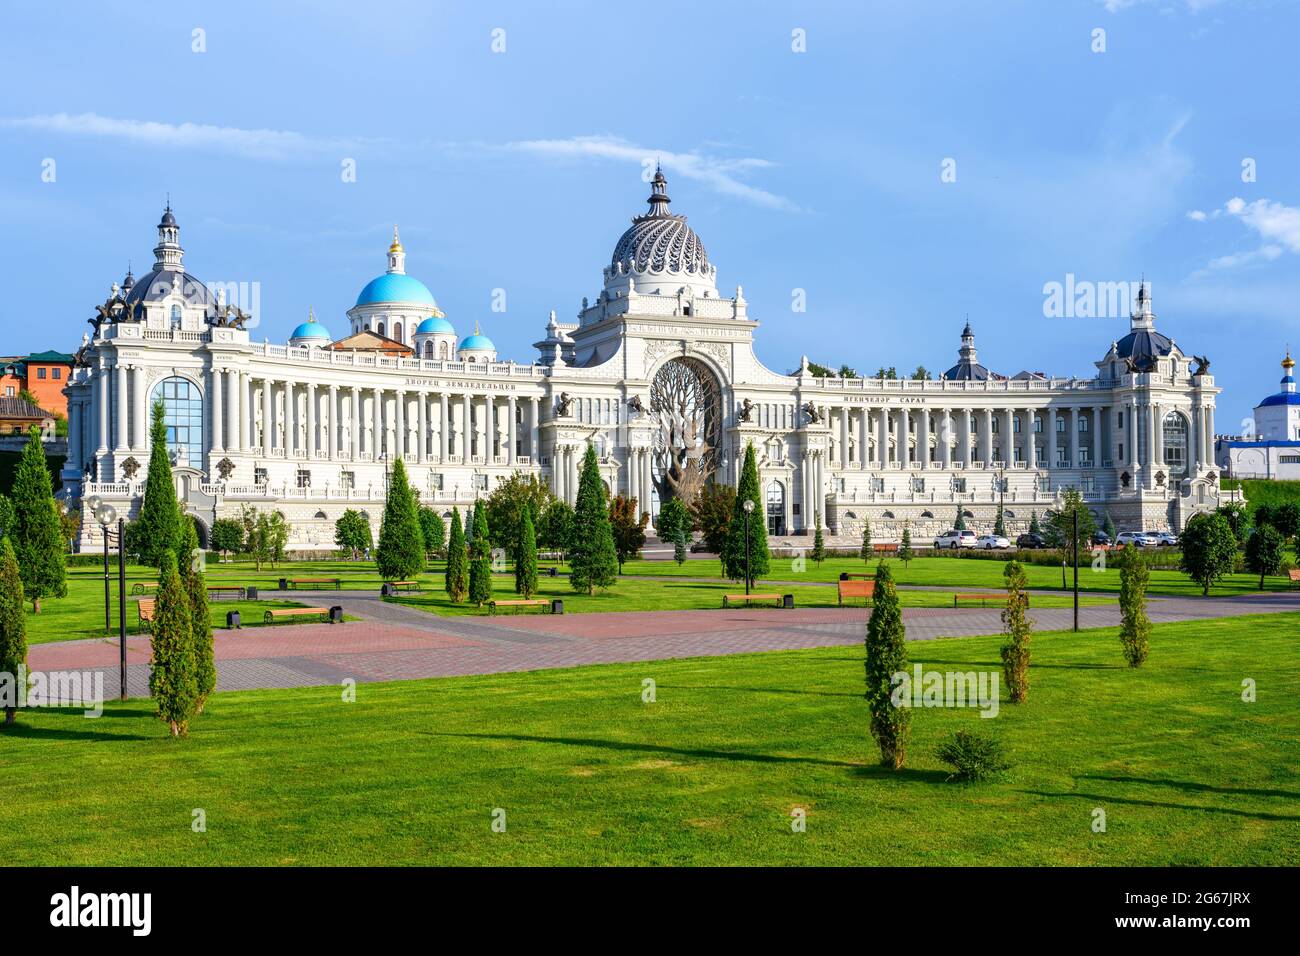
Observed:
{"x":43,"y":374}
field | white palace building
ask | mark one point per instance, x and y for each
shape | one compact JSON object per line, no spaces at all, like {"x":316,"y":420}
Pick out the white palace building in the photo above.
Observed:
{"x":658,"y":372}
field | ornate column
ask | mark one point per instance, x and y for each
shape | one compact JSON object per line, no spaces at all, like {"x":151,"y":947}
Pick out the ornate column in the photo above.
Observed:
{"x":864,"y":435}
{"x":377,"y":425}
{"x":140,"y":414}
{"x":805,"y":480}
{"x":121,"y":440}
{"x":534,"y":421}
{"x":1009,"y":443}
{"x":1209,"y":433}
{"x":354,"y":412}
{"x":333,"y":424}
{"x":422,"y":424}
{"x":945,"y":438}
{"x":1050,"y":425}
{"x":246,"y":412}
{"x":217,"y":443}
{"x":232,"y":411}
{"x":986,"y":436}
{"x":844,"y":436}
{"x":466,"y":432}
{"x":313,"y":432}
{"x":512,"y":412}
{"x":633,"y":474}
{"x":964,"y":436}
{"x":923,"y":438}
{"x":444,"y":426}
{"x":268,"y":413}
{"x":882,"y":437}
{"x":290,"y":421}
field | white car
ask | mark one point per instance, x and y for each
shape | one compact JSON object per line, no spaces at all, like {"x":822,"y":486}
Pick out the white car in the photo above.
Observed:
{"x":990,"y":541}
{"x":1138,"y":539}
{"x":1166,"y":539}
{"x":955,"y":539}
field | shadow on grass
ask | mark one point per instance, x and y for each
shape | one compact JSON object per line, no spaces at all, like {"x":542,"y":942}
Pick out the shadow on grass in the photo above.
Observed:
{"x":29,"y":732}
{"x":1229,"y":811}
{"x":633,"y":747}
{"x":903,"y":775}
{"x":1035,"y":665}
{"x":759,"y":690}
{"x":1192,"y":787}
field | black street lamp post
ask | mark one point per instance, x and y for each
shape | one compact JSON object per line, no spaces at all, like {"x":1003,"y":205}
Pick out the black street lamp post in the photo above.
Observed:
{"x":121,"y":603}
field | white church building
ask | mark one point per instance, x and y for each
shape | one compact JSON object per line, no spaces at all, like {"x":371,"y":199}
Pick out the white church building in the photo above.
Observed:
{"x":658,"y":372}
{"x":1272,"y":448}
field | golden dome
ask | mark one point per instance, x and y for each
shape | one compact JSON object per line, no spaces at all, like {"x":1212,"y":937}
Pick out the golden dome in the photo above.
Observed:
{"x":397,"y":243}
{"x":1288,"y":363}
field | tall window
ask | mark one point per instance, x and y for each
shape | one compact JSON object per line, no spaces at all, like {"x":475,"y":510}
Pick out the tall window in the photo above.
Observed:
{"x":1174,"y":440}
{"x":176,"y":317}
{"x":776,"y":508}
{"x":183,"y":405}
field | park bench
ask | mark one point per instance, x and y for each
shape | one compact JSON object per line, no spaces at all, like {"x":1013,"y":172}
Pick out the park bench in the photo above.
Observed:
{"x":889,"y":547}
{"x":730,"y":599}
{"x":288,"y":583}
{"x":984,"y":598}
{"x":143,"y":587}
{"x":1294,"y":575}
{"x":395,"y":587}
{"x":857,"y":589}
{"x":520,"y":603}
{"x":288,"y":613}
{"x":236,"y":591}
{"x":145,"y":609}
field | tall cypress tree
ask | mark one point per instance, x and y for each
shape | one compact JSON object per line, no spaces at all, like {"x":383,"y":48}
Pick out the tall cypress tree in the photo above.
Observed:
{"x":866,"y":552}
{"x":37,"y":536}
{"x":1135,"y":626}
{"x":196,"y":587}
{"x":400,"y":554}
{"x":480,"y":560}
{"x":173,"y":678}
{"x":457,"y":574}
{"x":593,"y":560}
{"x":159,"y":530}
{"x":13,"y":624}
{"x":526,"y":559}
{"x":733,"y":553}
{"x":1019,"y":629}
{"x":886,"y":656}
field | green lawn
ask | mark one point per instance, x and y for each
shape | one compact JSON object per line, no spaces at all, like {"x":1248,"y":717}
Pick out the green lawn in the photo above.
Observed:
{"x":967,"y":573}
{"x":586,"y":772}
{"x":668,"y":594}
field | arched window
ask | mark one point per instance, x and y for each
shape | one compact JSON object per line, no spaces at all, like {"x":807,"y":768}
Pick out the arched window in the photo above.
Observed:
{"x":397,"y":331}
{"x":1174,"y":439}
{"x":176,"y":317}
{"x":380,"y":328}
{"x":444,"y":351}
{"x":775,"y":508}
{"x":183,"y":410}
{"x":428,"y":350}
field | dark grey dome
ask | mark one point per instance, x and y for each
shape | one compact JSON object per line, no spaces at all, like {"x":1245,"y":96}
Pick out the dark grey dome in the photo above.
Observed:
{"x":167,"y":218}
{"x":1144,"y":346}
{"x":968,"y":372}
{"x":160,"y":283}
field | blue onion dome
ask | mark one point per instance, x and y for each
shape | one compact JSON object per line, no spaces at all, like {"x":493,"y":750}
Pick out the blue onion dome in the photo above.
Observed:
{"x":311,"y":329}
{"x":395,"y":287}
{"x":435,"y":325}
{"x":477,"y":341}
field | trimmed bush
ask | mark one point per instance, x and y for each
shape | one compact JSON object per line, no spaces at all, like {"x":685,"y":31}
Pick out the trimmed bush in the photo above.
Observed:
{"x":973,"y":756}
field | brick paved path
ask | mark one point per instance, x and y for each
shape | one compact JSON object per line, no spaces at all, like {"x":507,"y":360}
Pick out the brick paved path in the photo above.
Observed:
{"x":396,"y":642}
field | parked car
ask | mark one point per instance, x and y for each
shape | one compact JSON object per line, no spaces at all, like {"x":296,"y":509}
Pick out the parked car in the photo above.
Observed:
{"x":955,"y":539}
{"x":1101,"y":540}
{"x":1138,"y":539}
{"x":990,"y":541}
{"x":1166,"y":539}
{"x":1030,"y":540}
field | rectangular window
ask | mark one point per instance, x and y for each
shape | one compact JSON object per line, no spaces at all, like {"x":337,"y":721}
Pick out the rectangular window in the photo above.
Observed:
{"x":9,"y":391}
{"x":435,"y":480}
{"x":877,"y":485}
{"x":1119,"y":421}
{"x":918,"y":484}
{"x":1087,"y":484}
{"x":259,"y":476}
{"x":58,"y":374}
{"x":1044,"y":483}
{"x":1015,"y":425}
{"x":1038,"y":426}
{"x":304,"y":478}
{"x":1060,"y":424}
{"x":1288,"y":460}
{"x":1061,"y":455}
{"x":40,"y":373}
{"x":1121,"y":451}
{"x":481,"y":482}
{"x":347,"y":480}
{"x":959,"y":485}
{"x":1083,"y":424}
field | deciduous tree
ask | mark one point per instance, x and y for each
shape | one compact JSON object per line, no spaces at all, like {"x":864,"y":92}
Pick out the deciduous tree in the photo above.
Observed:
{"x":627,"y":523}
{"x":352,"y":533}
{"x":1265,"y":552}
{"x":1209,"y":549}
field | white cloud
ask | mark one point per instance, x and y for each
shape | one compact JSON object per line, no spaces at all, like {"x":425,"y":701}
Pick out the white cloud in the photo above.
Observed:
{"x":264,"y":144}
{"x":1192,"y":6}
{"x":720,"y":174}
{"x":1196,"y":215}
{"x":1276,"y":224}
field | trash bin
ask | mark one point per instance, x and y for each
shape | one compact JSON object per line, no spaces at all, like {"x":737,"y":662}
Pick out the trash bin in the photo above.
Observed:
{"x":232,"y":620}
{"x":336,"y":614}
{"x":387,"y":590}
{"x":252,"y":593}
{"x":557,"y":606}
{"x":284,"y":584}
{"x":844,"y":575}
{"x":787,"y":600}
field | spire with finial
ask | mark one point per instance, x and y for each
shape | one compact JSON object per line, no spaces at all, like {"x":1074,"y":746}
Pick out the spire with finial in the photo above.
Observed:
{"x":659,"y":194}
{"x":1142,"y":317}
{"x":1288,"y":379}
{"x":396,"y":255}
{"x":168,"y":253}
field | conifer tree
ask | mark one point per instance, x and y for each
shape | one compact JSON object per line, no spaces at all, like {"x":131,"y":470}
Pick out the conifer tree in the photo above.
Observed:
{"x":400,"y":554}
{"x":999,"y":524}
{"x":37,"y":537}
{"x":480,"y":560}
{"x":1109,"y":527}
{"x":526,"y":559}
{"x":593,"y":562}
{"x":13,"y":623}
{"x":159,"y":529}
{"x":960,"y":523}
{"x":196,"y":587}
{"x":733,"y":552}
{"x":1019,"y":628}
{"x":905,"y":552}
{"x":457,"y":574}
{"x":1034,"y":527}
{"x":679,"y":545}
{"x":434,"y":531}
{"x":886,"y":656}
{"x":866,"y":553}
{"x":819,"y":542}
{"x":1135,"y":626}
{"x":173,"y":672}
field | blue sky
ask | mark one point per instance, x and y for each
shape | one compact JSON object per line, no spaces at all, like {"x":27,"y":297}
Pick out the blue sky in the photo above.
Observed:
{"x":816,"y":170}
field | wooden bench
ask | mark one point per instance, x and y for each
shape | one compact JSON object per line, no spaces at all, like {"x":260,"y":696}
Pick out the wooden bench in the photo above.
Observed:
{"x":985,"y":598}
{"x":857,"y":589}
{"x":730,"y":599}
{"x":1294,"y":575}
{"x":286,"y":613}
{"x":145,"y":609}
{"x":520,"y":603}
{"x":295,"y":582}
{"x":396,"y":586}
{"x":141,"y":587}
{"x":890,"y":547}
{"x":236,"y":591}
